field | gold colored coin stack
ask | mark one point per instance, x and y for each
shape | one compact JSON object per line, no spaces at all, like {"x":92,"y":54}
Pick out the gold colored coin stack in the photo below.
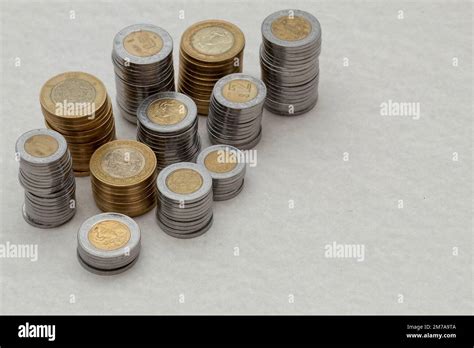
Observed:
{"x":76,"y":105}
{"x":123,"y":176}
{"x":209,"y":50}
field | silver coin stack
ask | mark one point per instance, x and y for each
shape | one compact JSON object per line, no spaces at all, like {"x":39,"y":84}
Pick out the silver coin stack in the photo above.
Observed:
{"x":289,"y":60}
{"x":143,"y":62}
{"x":168,"y":124}
{"x":227,"y":168}
{"x":108,"y":243}
{"x":46,"y":175}
{"x":235,"y":112}
{"x":184,"y":207}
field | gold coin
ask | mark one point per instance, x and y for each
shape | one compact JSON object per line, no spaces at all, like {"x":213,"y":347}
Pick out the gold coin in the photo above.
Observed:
{"x":41,"y":145}
{"x":72,"y":95}
{"x":109,"y":235}
{"x":167,"y":111}
{"x":184,"y":181}
{"x":215,"y":163}
{"x":123,"y":163}
{"x":213,"y":41}
{"x":143,"y":43}
{"x":239,"y":91}
{"x":291,"y":28}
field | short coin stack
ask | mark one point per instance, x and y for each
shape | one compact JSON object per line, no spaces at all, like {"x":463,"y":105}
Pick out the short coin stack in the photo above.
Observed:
{"x":108,"y":243}
{"x":289,"y":61}
{"x":143,"y":59}
{"x":227,"y":168}
{"x":168,"y":124}
{"x":47,"y":177}
{"x":235,"y":115}
{"x":209,"y":50}
{"x":76,"y":105}
{"x":123,"y":176}
{"x":184,"y":207}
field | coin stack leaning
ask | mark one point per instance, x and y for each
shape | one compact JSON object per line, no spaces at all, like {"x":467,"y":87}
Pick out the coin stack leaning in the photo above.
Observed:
{"x":289,"y":61}
{"x":123,"y":176}
{"x":108,"y":243}
{"x":47,"y":177}
{"x":142,"y":55}
{"x":184,"y":207}
{"x":76,"y":105}
{"x":209,"y":50}
{"x":226,"y":166}
{"x":168,"y":124}
{"x":235,"y":115}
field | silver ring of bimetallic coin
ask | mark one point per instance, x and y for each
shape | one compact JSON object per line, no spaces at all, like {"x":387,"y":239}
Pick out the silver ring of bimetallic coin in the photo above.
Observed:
{"x":108,"y":243}
{"x":226,"y":182}
{"x":47,"y":177}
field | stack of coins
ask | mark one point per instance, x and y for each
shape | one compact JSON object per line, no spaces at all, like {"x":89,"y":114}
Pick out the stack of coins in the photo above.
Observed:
{"x":47,"y":177}
{"x":184,"y":200}
{"x":142,"y":55}
{"x":227,"y":168}
{"x":76,"y":105}
{"x":209,"y":50}
{"x":108,"y":243}
{"x":168,"y":124}
{"x":235,"y":115}
{"x":123,"y":176}
{"x":289,"y":61}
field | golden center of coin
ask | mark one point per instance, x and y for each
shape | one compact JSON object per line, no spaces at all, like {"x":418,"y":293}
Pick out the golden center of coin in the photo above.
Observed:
{"x":73,"y":90}
{"x":239,"y":91}
{"x":123,"y":163}
{"x":143,"y":43}
{"x":220,"y":161}
{"x":41,"y":145}
{"x":109,"y":235}
{"x":291,"y":28}
{"x":167,"y":111}
{"x":184,"y":181}
{"x":213,"y":40}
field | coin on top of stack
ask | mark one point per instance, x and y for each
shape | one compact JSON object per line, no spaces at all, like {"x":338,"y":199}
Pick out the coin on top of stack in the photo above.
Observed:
{"x":76,"y":105}
{"x":226,"y":166}
{"x":123,"y":176}
{"x":209,"y":50}
{"x":235,"y":115}
{"x":142,"y":55}
{"x":108,"y":243}
{"x":47,"y":177}
{"x":184,"y":208}
{"x":289,"y":61}
{"x":168,"y":124}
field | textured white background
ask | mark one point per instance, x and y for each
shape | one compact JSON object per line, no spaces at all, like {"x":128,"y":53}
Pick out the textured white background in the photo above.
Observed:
{"x":408,"y":251}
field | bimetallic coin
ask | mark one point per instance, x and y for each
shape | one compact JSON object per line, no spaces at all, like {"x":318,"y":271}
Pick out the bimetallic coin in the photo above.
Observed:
{"x":227,"y":168}
{"x":184,"y":208}
{"x":46,"y":175}
{"x":289,"y":60}
{"x":108,"y":242}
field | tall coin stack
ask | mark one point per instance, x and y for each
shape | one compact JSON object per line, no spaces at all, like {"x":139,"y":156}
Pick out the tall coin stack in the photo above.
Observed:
{"x":168,"y":124}
{"x":143,"y":62}
{"x":184,"y":207}
{"x":289,"y":61}
{"x":76,"y":105}
{"x":227,"y":168}
{"x":123,"y":176}
{"x":209,"y":50}
{"x":235,"y":115}
{"x":108,"y":243}
{"x":47,"y":177}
